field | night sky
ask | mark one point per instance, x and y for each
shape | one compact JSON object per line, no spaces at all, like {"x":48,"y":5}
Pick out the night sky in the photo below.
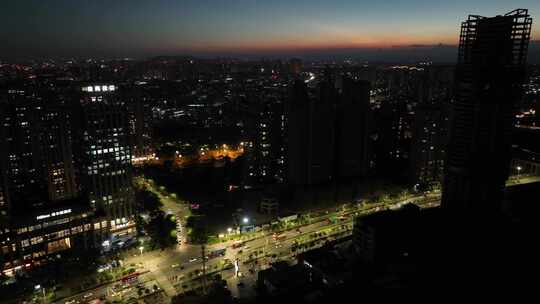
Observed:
{"x":135,"y":28}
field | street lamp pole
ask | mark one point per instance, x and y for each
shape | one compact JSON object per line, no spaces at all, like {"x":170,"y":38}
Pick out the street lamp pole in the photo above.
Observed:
{"x":518,"y":171}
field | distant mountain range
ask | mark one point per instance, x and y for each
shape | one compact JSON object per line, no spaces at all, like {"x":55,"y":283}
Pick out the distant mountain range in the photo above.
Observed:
{"x":438,"y":53}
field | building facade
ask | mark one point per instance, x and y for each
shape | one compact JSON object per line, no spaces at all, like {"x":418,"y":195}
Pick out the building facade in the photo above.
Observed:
{"x":105,"y":155}
{"x":42,"y":215}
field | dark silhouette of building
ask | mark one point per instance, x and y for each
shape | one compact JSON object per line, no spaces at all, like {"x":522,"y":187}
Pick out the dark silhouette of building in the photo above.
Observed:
{"x":393,"y":138}
{"x":489,"y":76}
{"x":386,"y":235}
{"x":298,"y":139}
{"x":284,"y":281}
{"x":310,"y":135}
{"x":328,"y":134}
{"x":352,"y":129}
{"x":525,"y":151}
{"x":537,"y":112}
{"x":140,"y":121}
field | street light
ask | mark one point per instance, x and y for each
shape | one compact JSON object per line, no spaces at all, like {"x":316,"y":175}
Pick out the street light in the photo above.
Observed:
{"x":229,"y":230}
{"x":245,"y":220}
{"x":518,"y":170}
{"x":141,"y":249}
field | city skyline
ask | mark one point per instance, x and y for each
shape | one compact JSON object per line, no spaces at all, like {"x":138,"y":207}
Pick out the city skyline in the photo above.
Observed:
{"x":245,"y":27}
{"x":235,"y":151}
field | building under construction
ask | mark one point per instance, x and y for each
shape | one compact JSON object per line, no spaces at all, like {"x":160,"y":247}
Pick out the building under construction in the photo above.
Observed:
{"x":489,"y":76}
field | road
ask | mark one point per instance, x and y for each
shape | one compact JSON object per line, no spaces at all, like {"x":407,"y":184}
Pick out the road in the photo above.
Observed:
{"x":179,"y":269}
{"x":172,"y":269}
{"x":118,"y":290}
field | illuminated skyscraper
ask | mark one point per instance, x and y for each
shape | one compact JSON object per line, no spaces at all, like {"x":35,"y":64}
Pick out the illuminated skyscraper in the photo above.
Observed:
{"x":105,"y":158}
{"x":489,"y":77}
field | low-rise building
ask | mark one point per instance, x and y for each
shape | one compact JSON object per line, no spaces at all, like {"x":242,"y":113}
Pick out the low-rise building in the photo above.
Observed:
{"x":269,"y":206}
{"x":386,"y":235}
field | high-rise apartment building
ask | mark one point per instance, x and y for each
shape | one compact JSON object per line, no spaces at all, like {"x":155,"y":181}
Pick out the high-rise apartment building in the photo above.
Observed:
{"x":428,"y":144}
{"x":310,"y":135}
{"x":328,"y":133}
{"x":41,"y":213}
{"x":57,"y":153}
{"x":269,"y":143}
{"x":393,"y":137}
{"x":140,"y":121}
{"x":352,"y":129}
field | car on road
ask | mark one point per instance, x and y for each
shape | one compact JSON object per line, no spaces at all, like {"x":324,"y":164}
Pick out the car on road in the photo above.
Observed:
{"x":104,"y":267}
{"x":175,"y":265}
{"x":88,"y":295}
{"x":217,"y":253}
{"x":237,"y":244}
{"x":193,"y":260}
